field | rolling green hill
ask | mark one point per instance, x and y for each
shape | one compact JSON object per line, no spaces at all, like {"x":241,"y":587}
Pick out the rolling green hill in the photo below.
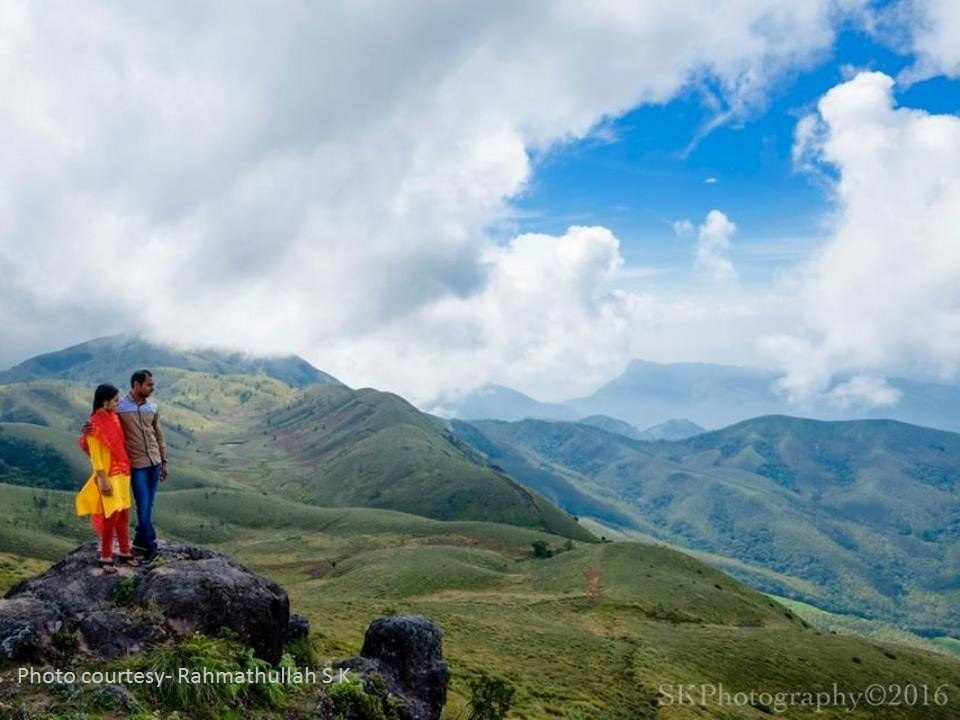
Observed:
{"x":40,"y":457}
{"x":360,"y":505}
{"x":325,"y":444}
{"x":342,"y":447}
{"x":112,"y":359}
{"x":857,"y":517}
{"x":594,"y":631}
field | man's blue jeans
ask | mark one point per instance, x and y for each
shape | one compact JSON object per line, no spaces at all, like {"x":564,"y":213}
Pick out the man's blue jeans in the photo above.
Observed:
{"x":144,"y":482}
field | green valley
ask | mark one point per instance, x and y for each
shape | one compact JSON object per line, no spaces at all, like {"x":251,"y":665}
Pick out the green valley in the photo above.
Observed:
{"x":857,"y":517}
{"x":360,"y":506}
{"x":596,"y":631}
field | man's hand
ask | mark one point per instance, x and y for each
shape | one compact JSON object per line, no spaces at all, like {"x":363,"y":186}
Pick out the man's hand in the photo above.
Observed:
{"x":86,"y":428}
{"x":163,"y":472}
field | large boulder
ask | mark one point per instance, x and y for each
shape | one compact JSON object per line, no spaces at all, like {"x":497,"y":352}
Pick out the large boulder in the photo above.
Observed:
{"x":27,"y":629}
{"x":401,"y":668}
{"x":74,"y":606}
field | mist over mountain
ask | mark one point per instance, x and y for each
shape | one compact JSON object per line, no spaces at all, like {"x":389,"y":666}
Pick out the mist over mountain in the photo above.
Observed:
{"x":499,"y":403}
{"x":678,"y":429}
{"x":605,"y":422}
{"x":113,"y":358}
{"x":714,"y":396}
{"x":707,"y":395}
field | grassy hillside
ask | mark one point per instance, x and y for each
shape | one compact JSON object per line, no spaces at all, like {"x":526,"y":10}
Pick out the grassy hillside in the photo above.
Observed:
{"x":342,"y":447}
{"x":307,"y":486}
{"x":856,"y":517}
{"x":112,"y":359}
{"x":51,"y":403}
{"x":40,"y":457}
{"x":592,"y":632}
{"x":326,"y":445}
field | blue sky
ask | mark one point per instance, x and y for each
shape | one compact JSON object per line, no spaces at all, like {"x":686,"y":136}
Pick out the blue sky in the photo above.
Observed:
{"x":647,"y":169}
{"x":369,"y":189}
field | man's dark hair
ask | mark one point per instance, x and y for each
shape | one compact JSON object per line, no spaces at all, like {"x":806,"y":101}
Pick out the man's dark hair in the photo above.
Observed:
{"x":140,"y":376}
{"x":102,"y":394}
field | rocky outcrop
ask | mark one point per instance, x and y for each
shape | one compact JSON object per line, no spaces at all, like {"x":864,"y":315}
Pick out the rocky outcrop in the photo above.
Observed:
{"x":73,"y":607}
{"x":27,"y":629}
{"x":402,"y":671}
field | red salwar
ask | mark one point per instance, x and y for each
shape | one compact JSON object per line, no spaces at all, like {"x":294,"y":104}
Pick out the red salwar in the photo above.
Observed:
{"x":117,"y":525}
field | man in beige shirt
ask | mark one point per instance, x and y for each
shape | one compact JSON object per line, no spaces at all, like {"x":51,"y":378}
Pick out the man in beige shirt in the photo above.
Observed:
{"x":139,"y":417}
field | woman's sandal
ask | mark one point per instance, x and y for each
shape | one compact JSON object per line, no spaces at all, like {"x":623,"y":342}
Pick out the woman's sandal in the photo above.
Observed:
{"x":128,"y":559}
{"x":107,"y":567}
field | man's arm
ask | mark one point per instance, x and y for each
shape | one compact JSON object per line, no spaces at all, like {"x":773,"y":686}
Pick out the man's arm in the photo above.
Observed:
{"x":161,"y":443}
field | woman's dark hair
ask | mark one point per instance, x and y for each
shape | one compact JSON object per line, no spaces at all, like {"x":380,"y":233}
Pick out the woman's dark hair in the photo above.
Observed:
{"x":102,"y":394}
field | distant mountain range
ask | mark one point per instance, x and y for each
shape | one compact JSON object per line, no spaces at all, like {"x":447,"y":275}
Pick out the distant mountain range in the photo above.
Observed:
{"x":648,"y":394}
{"x":497,"y":402}
{"x":302,"y":478}
{"x":858,"y":517}
{"x":112,"y":359}
{"x":670,"y":430}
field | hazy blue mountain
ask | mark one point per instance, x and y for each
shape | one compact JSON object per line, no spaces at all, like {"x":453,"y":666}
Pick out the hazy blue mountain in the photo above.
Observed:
{"x":497,"y":402}
{"x":679,"y":429}
{"x":713,"y":396}
{"x":648,"y":394}
{"x":859,"y":517}
{"x":605,"y":422}
{"x":115,"y":357}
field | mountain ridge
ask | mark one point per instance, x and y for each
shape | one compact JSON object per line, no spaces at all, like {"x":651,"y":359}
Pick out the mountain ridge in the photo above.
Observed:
{"x":324,"y":444}
{"x":710,"y":395}
{"x":863,"y":514}
{"x":105,"y":358}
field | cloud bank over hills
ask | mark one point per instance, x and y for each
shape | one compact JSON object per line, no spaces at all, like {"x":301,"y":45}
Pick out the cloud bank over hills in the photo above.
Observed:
{"x":883,"y":292}
{"x":345,"y":191}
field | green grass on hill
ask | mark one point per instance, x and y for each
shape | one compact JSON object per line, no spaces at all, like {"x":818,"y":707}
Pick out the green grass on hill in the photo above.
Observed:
{"x":592,"y":632}
{"x":857,"y":517}
{"x":337,"y":447}
{"x":951,"y":644}
{"x":40,"y":457}
{"x":851,"y":625}
{"x":327,"y":445}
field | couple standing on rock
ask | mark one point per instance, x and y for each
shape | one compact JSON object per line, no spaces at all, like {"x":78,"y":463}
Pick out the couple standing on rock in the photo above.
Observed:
{"x":127,"y":450}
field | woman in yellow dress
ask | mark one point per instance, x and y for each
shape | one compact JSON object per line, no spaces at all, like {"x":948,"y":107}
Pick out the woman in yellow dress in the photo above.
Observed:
{"x":106,"y":495}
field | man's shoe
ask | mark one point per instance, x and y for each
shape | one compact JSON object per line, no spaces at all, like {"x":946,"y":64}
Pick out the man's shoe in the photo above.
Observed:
{"x":149,"y":557}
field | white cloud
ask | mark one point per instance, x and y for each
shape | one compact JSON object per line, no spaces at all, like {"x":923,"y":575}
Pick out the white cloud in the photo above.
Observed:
{"x":934,"y":28}
{"x":710,"y":181}
{"x":683,"y":228}
{"x":713,"y":247}
{"x":863,"y":389}
{"x":542,"y":312}
{"x":883,"y":294}
{"x":318,"y":178}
